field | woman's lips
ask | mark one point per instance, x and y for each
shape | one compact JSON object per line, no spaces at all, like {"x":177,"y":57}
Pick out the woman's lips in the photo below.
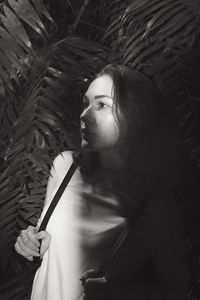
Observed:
{"x":86,"y":132}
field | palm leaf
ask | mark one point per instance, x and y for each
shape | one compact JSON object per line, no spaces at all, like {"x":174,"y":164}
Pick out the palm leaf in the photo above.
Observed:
{"x":26,"y":12}
{"x":15,"y":41}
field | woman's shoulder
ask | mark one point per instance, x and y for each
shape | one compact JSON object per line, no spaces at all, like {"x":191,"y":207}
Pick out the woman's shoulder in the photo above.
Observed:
{"x":61,"y":163}
{"x":65,"y":156}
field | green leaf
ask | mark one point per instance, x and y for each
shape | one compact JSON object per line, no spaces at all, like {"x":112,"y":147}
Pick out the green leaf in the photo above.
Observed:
{"x":83,"y":44}
{"x":162,"y":16}
{"x":10,"y":218}
{"x":2,"y":111}
{"x":31,"y":172}
{"x":33,"y":200}
{"x":10,"y":49}
{"x":8,"y":195}
{"x":160,"y":64}
{"x":29,"y":140}
{"x":55,"y":107}
{"x":39,"y":139}
{"x":14,"y":166}
{"x":50,"y":118}
{"x":12,"y":115}
{"x":46,"y":129}
{"x":15,"y":28}
{"x":37,"y":157}
{"x":8,"y":66}
{"x":23,"y":183}
{"x":25,"y":120}
{"x":10,"y":206}
{"x":18,"y":65}
{"x":41,"y":9}
{"x":194,"y":5}
{"x":113,"y":27}
{"x":12,"y":44}
{"x":39,"y":190}
{"x":176,"y":23}
{"x":82,"y":48}
{"x":7,"y":127}
{"x":54,"y":83}
{"x":5,"y":78}
{"x":55,"y":72}
{"x":143,"y":51}
{"x":145,"y":8}
{"x":132,"y":42}
{"x":37,"y":161}
{"x":22,"y":131}
{"x":67,"y":59}
{"x":26,"y":12}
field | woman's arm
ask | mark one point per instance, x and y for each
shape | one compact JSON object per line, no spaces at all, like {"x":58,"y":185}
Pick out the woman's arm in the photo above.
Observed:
{"x":27,"y":242}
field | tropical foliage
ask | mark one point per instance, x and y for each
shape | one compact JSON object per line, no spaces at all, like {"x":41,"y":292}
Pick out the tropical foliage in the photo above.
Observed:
{"x":48,"y":52}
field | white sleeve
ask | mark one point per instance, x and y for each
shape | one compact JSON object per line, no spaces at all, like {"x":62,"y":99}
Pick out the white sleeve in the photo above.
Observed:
{"x":59,"y":169}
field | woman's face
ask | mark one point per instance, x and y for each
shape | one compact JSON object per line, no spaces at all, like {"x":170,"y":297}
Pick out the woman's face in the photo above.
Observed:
{"x":99,"y":128}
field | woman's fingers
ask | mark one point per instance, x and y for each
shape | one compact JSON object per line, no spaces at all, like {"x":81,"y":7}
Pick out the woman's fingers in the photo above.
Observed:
{"x":46,"y":238}
{"x":95,"y":288}
{"x":21,"y":252}
{"x":25,"y":248}
{"x":28,"y":243}
{"x":88,"y":274}
{"x":29,"y":240}
{"x":31,"y":232}
{"x":95,"y":281}
{"x":25,"y":244}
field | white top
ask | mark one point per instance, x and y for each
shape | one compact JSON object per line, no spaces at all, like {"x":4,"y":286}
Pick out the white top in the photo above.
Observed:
{"x":83,"y":228}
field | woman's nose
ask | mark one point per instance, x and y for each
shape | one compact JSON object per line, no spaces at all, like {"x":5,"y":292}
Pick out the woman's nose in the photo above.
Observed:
{"x":86,"y":114}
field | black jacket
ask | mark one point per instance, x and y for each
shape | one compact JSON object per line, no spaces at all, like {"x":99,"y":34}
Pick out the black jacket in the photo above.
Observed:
{"x":152,"y":263}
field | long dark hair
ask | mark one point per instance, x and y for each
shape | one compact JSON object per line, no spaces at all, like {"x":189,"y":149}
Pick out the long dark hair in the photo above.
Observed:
{"x":146,"y":142}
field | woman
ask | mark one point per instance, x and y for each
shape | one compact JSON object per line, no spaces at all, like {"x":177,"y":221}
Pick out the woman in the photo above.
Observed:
{"x":128,"y":155}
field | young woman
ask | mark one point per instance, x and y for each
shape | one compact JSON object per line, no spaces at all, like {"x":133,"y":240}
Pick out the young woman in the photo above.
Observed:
{"x":128,"y":155}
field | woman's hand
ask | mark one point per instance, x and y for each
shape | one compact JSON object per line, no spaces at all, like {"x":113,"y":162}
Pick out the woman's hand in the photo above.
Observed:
{"x":28,"y":244}
{"x":94,"y":288}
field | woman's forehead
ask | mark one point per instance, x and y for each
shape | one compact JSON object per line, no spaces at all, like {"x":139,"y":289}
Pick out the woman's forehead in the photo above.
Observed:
{"x":101,"y":86}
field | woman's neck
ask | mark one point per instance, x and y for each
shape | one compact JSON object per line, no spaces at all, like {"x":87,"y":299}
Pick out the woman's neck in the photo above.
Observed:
{"x":111,"y":162}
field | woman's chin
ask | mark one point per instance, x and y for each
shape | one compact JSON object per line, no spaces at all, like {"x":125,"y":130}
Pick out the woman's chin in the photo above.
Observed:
{"x":85,"y":145}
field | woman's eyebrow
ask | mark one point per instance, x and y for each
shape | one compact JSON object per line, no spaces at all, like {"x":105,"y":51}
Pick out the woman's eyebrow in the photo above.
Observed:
{"x":97,"y":97}
{"x":102,"y":96}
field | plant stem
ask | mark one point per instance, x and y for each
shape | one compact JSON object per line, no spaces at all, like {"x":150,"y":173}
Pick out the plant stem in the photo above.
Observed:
{"x":78,"y":17}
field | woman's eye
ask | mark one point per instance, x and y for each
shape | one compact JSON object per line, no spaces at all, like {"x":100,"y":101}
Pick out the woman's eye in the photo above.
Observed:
{"x":102,"y":105}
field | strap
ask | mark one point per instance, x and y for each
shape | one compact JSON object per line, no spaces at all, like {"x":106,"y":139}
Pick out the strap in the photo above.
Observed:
{"x":53,"y":204}
{"x":57,"y":196}
{"x":129,"y":226}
